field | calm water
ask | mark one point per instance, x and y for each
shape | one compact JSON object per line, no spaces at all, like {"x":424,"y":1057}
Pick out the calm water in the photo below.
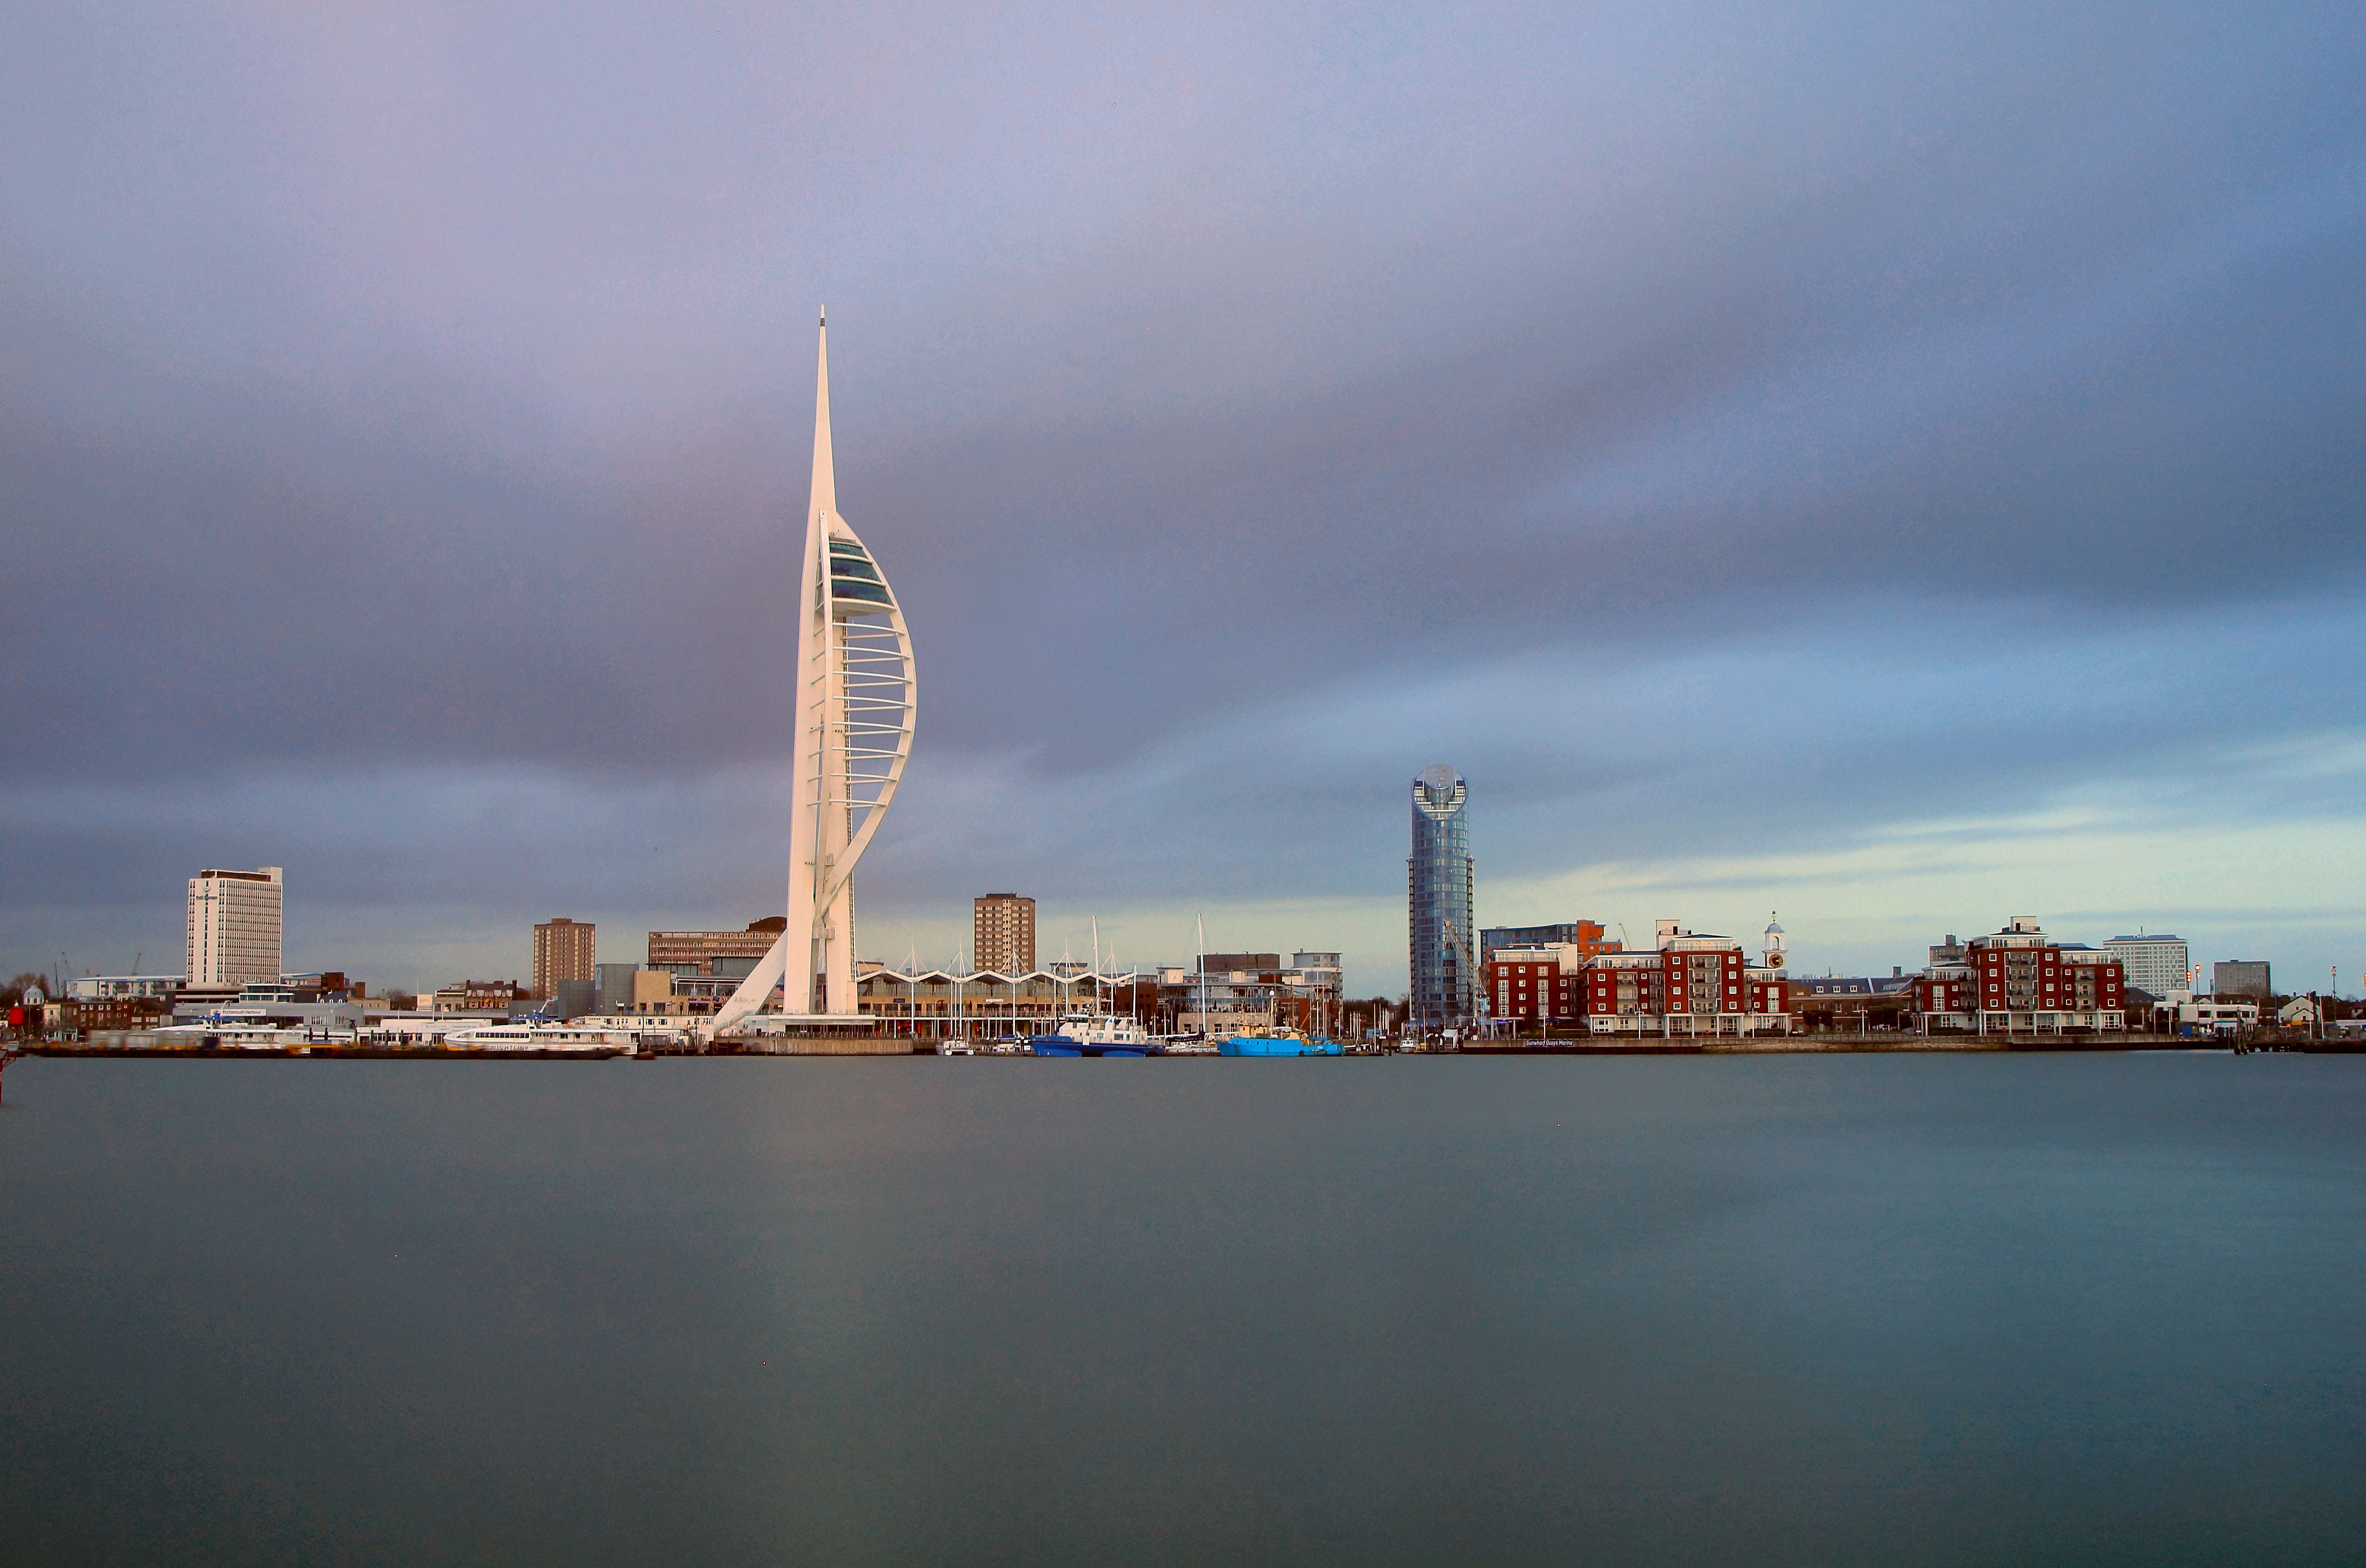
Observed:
{"x":1844,"y":1308}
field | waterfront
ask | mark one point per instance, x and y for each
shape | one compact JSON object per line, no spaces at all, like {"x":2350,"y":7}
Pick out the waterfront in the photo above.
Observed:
{"x":1924,"y":1308}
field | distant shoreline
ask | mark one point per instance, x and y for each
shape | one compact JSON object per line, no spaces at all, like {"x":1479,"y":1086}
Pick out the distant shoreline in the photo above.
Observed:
{"x":1770,"y":1045}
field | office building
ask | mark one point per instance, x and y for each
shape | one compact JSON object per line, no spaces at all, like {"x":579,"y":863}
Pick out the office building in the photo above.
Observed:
{"x":2155,"y":964}
{"x":234,"y":926}
{"x":2232,"y":977}
{"x":1586,"y":937}
{"x":562,"y":951}
{"x":705,"y":952}
{"x":1441,"y":941}
{"x":1002,"y":934}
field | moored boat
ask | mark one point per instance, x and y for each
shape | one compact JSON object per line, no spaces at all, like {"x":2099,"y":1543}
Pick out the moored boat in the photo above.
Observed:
{"x":1278,"y":1042}
{"x":539,"y":1039}
{"x":1095,"y":1036}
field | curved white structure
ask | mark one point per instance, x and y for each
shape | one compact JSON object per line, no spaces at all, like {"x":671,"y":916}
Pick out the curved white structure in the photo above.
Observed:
{"x":854,"y":713}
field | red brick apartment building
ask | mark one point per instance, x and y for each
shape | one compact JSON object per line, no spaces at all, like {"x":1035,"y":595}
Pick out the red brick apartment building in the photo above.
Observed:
{"x":1531,"y":984}
{"x":1690,"y":983}
{"x":2016,"y":980}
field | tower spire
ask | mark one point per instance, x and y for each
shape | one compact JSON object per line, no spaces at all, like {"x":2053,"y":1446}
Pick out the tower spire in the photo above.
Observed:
{"x":825,"y":476}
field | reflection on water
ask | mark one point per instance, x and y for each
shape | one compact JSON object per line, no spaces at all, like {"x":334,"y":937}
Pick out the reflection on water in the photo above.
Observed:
{"x":1892,"y":1310}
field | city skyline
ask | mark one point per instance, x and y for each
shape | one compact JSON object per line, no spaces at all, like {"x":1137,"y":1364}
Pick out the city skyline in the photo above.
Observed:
{"x":1876,"y":483}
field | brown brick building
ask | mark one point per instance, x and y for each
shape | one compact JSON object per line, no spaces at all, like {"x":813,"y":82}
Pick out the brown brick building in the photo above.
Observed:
{"x":1002,"y":934}
{"x":562,"y":951}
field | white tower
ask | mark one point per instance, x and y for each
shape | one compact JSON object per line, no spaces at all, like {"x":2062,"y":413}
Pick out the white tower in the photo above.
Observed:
{"x":1773,"y":942}
{"x":854,"y":713}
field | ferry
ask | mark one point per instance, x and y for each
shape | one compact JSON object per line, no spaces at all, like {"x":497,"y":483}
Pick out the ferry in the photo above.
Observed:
{"x":231,"y":1034}
{"x":1278,"y":1042}
{"x":527,"y":1037}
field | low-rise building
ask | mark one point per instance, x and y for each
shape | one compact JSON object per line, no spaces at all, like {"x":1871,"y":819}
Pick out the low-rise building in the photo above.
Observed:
{"x":935,"y":1004}
{"x":1853,"y":1003}
{"x":478,"y":997}
{"x":2017,"y":980}
{"x":87,"y":1014}
{"x":1535,"y":985}
{"x":1233,"y":993}
{"x":111,"y":987}
{"x":653,"y":994}
{"x":2197,"y":1016}
{"x":1253,"y":991}
{"x":615,"y":983}
{"x":1691,"y":983}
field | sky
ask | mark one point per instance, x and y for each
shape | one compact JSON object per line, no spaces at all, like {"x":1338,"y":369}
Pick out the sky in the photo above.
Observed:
{"x":1895,"y":465}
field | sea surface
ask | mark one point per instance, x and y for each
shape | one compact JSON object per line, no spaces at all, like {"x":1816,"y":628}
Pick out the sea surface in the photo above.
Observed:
{"x":1838,"y":1309}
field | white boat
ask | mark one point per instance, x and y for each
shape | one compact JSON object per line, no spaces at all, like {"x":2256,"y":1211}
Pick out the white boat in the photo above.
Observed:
{"x":956,"y":1048}
{"x":233,"y":1035}
{"x":524,"y":1038}
{"x":1104,"y":1034}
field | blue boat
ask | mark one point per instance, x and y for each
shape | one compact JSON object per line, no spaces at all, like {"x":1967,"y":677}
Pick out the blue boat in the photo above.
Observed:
{"x":1278,"y":1045}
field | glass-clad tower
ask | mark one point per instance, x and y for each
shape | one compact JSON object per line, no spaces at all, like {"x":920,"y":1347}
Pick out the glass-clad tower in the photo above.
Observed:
{"x":1437,"y":894}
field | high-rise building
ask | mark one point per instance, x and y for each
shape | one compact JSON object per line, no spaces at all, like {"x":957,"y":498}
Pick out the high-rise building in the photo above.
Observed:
{"x":562,"y":951}
{"x":853,"y":686}
{"x":1442,"y":952}
{"x":234,"y":926}
{"x":2155,"y":964}
{"x":2241,"y":977}
{"x":1002,"y":934}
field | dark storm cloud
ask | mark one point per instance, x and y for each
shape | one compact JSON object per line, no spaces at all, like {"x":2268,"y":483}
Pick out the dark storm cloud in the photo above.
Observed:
{"x":404,"y":395}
